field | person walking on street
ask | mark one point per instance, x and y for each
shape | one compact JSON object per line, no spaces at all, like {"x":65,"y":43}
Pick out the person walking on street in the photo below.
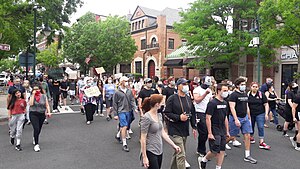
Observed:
{"x":64,"y":88}
{"x":296,"y":118}
{"x":28,"y":91}
{"x":108,"y":92}
{"x":145,"y":92}
{"x":217,"y":126}
{"x":152,"y":132}
{"x":259,"y":109}
{"x":56,"y":93}
{"x":272,"y":98}
{"x":72,"y":90}
{"x":89,"y":104}
{"x":123,"y":104}
{"x":100,"y":99}
{"x":240,"y":118}
{"x":39,"y":109}
{"x":290,"y":97}
{"x":16,"y":85}
{"x":16,"y":113}
{"x":80,"y":85}
{"x":179,"y":112}
{"x":202,"y":95}
{"x":170,"y":89}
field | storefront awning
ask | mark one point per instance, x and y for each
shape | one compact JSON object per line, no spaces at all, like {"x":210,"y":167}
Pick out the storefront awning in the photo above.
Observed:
{"x":187,"y":61}
{"x":173,"y":62}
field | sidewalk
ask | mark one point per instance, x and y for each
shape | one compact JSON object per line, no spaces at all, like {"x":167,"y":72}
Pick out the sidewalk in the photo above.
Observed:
{"x":3,"y":110}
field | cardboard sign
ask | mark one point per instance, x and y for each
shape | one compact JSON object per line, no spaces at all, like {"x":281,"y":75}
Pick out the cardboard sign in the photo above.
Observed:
{"x":92,"y":91}
{"x":73,"y":75}
{"x":100,"y":70}
{"x":118,"y":75}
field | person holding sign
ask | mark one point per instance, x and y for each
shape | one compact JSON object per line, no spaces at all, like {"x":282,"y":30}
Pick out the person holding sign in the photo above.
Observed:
{"x":89,"y":102}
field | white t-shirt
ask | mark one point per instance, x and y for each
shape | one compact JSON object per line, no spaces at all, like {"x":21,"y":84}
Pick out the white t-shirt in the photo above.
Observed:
{"x":201,"y":107}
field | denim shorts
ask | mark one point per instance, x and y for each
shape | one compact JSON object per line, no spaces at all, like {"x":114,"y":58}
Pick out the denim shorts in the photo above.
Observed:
{"x":245,"y":127}
{"x":124,"y":119}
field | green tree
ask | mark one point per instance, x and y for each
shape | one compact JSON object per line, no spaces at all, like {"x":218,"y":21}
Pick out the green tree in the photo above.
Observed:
{"x":50,"y":57}
{"x":17,"y":16}
{"x":205,"y":26}
{"x":10,"y":65}
{"x":280,"y":21}
{"x":107,"y":43}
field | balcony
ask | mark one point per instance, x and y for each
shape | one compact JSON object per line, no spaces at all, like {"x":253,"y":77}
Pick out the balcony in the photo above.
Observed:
{"x":152,"y":46}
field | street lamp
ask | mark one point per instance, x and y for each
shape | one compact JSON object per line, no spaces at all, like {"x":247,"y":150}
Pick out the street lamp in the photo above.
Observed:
{"x":255,"y":43}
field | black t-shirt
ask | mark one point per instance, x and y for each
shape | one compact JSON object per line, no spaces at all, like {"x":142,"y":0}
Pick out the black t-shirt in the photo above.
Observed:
{"x":72,"y":85}
{"x":256,"y":103}
{"x":173,"y":111}
{"x":241,"y":100}
{"x":297,"y":101}
{"x":168,"y":91}
{"x":218,"y":111}
{"x":55,"y":87}
{"x":272,"y":103}
{"x":64,"y":85}
{"x":144,"y":93}
{"x":289,"y":95}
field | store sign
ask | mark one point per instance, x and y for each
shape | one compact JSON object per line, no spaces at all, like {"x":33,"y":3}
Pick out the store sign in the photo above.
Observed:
{"x":288,"y":55}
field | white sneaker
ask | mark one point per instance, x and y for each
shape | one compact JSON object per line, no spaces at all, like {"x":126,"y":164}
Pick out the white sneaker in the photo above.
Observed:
{"x":88,"y":122}
{"x":230,"y":142}
{"x":236,"y":143}
{"x":293,"y":142}
{"x":36,"y":148}
{"x":228,"y":147}
{"x":130,"y":131}
{"x":101,"y":115}
{"x":97,"y":114}
{"x":187,"y":165}
{"x":128,"y":137}
{"x":297,"y":148}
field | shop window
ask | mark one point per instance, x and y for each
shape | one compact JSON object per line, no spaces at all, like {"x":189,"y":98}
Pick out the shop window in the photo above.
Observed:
{"x":138,"y":67}
{"x":143,"y":44}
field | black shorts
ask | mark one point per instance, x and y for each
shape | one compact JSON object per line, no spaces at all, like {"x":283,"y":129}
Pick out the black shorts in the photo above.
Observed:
{"x":108,"y":102}
{"x":288,"y":115}
{"x":218,"y":144}
{"x":64,"y":95}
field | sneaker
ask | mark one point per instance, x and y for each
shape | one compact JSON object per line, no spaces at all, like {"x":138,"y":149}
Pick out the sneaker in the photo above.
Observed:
{"x":97,"y":114}
{"x":12,"y":141}
{"x":101,"y":115}
{"x":125,"y":148}
{"x":200,"y":154}
{"x":110,"y":116}
{"x":107,"y":118}
{"x":130,"y":131}
{"x":297,"y":148}
{"x":46,"y":122}
{"x":119,"y":140}
{"x":252,"y":141}
{"x":187,"y":165}
{"x":236,"y":143}
{"x":36,"y":148}
{"x":293,"y":142}
{"x":266,"y":126}
{"x":202,"y":165}
{"x":19,"y":148}
{"x":88,"y":122}
{"x":128,"y":137}
{"x":264,"y":146}
{"x":28,"y":123}
{"x":227,"y":147}
{"x":230,"y":142}
{"x":285,"y":135}
{"x":250,"y":159}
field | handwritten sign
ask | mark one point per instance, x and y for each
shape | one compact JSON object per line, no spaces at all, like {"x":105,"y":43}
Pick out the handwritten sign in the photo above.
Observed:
{"x":100,"y":70}
{"x":73,"y":75}
{"x":92,"y":91}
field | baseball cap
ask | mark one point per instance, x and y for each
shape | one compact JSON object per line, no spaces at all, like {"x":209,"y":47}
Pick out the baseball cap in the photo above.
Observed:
{"x":207,"y":80}
{"x":181,"y":81}
{"x":124,"y":78}
{"x":148,"y":80}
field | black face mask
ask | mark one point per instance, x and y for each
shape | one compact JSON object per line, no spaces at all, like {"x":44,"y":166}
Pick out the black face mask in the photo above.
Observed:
{"x":204,"y":86}
{"x":295,"y":90}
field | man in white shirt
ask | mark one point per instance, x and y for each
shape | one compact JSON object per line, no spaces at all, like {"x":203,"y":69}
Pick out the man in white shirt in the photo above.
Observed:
{"x":202,"y":95}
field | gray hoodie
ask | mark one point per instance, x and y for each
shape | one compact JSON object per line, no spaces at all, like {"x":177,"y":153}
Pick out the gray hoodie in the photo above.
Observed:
{"x":121,"y":103}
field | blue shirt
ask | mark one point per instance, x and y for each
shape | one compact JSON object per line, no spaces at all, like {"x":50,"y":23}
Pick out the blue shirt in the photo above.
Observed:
{"x":109,"y":89}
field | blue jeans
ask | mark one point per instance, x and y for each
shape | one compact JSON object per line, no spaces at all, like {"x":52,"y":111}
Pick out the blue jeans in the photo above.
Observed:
{"x":99,"y":102}
{"x":245,"y":127}
{"x":124,"y":119}
{"x":260,"y":120}
{"x":275,"y":116}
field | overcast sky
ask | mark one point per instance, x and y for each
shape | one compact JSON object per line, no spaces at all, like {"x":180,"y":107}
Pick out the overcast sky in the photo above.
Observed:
{"x":123,"y":7}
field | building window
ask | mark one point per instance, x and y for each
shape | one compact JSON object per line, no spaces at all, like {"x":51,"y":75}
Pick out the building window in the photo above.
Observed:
{"x":153,"y":41}
{"x":139,"y":26}
{"x":171,"y":71}
{"x":132,"y":27}
{"x":138,"y":67}
{"x":171,"y":44}
{"x":135,"y":25}
{"x":143,"y":44}
{"x":143,"y":22}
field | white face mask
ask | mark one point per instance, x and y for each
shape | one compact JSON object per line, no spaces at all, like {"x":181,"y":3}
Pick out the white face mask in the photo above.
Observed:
{"x":185,"y":89}
{"x":126,"y":83}
{"x":242,"y":88}
{"x":172,"y":83}
{"x":109,"y":81}
{"x":224,"y":95}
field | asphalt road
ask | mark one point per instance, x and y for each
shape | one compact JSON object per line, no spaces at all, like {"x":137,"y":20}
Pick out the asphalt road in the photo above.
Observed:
{"x":68,"y":143}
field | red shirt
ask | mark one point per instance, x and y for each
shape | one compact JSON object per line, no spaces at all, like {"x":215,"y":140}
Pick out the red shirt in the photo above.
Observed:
{"x":20,"y":107}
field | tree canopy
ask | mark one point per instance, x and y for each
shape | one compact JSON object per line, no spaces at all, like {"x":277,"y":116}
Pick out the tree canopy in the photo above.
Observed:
{"x":106,"y":43}
{"x":215,"y":27}
{"x":280,"y":21}
{"x":50,"y":57}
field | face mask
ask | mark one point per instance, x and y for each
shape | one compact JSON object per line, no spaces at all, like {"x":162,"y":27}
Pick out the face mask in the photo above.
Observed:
{"x":149,"y":85}
{"x":295,"y":90}
{"x":272,"y":89}
{"x":243,"y":88}
{"x":37,"y":92}
{"x":204,"y":86}
{"x":109,"y":81}
{"x":89,"y":84}
{"x":224,"y":95}
{"x":126,"y":83}
{"x":185,"y":89}
{"x":172,"y":83}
